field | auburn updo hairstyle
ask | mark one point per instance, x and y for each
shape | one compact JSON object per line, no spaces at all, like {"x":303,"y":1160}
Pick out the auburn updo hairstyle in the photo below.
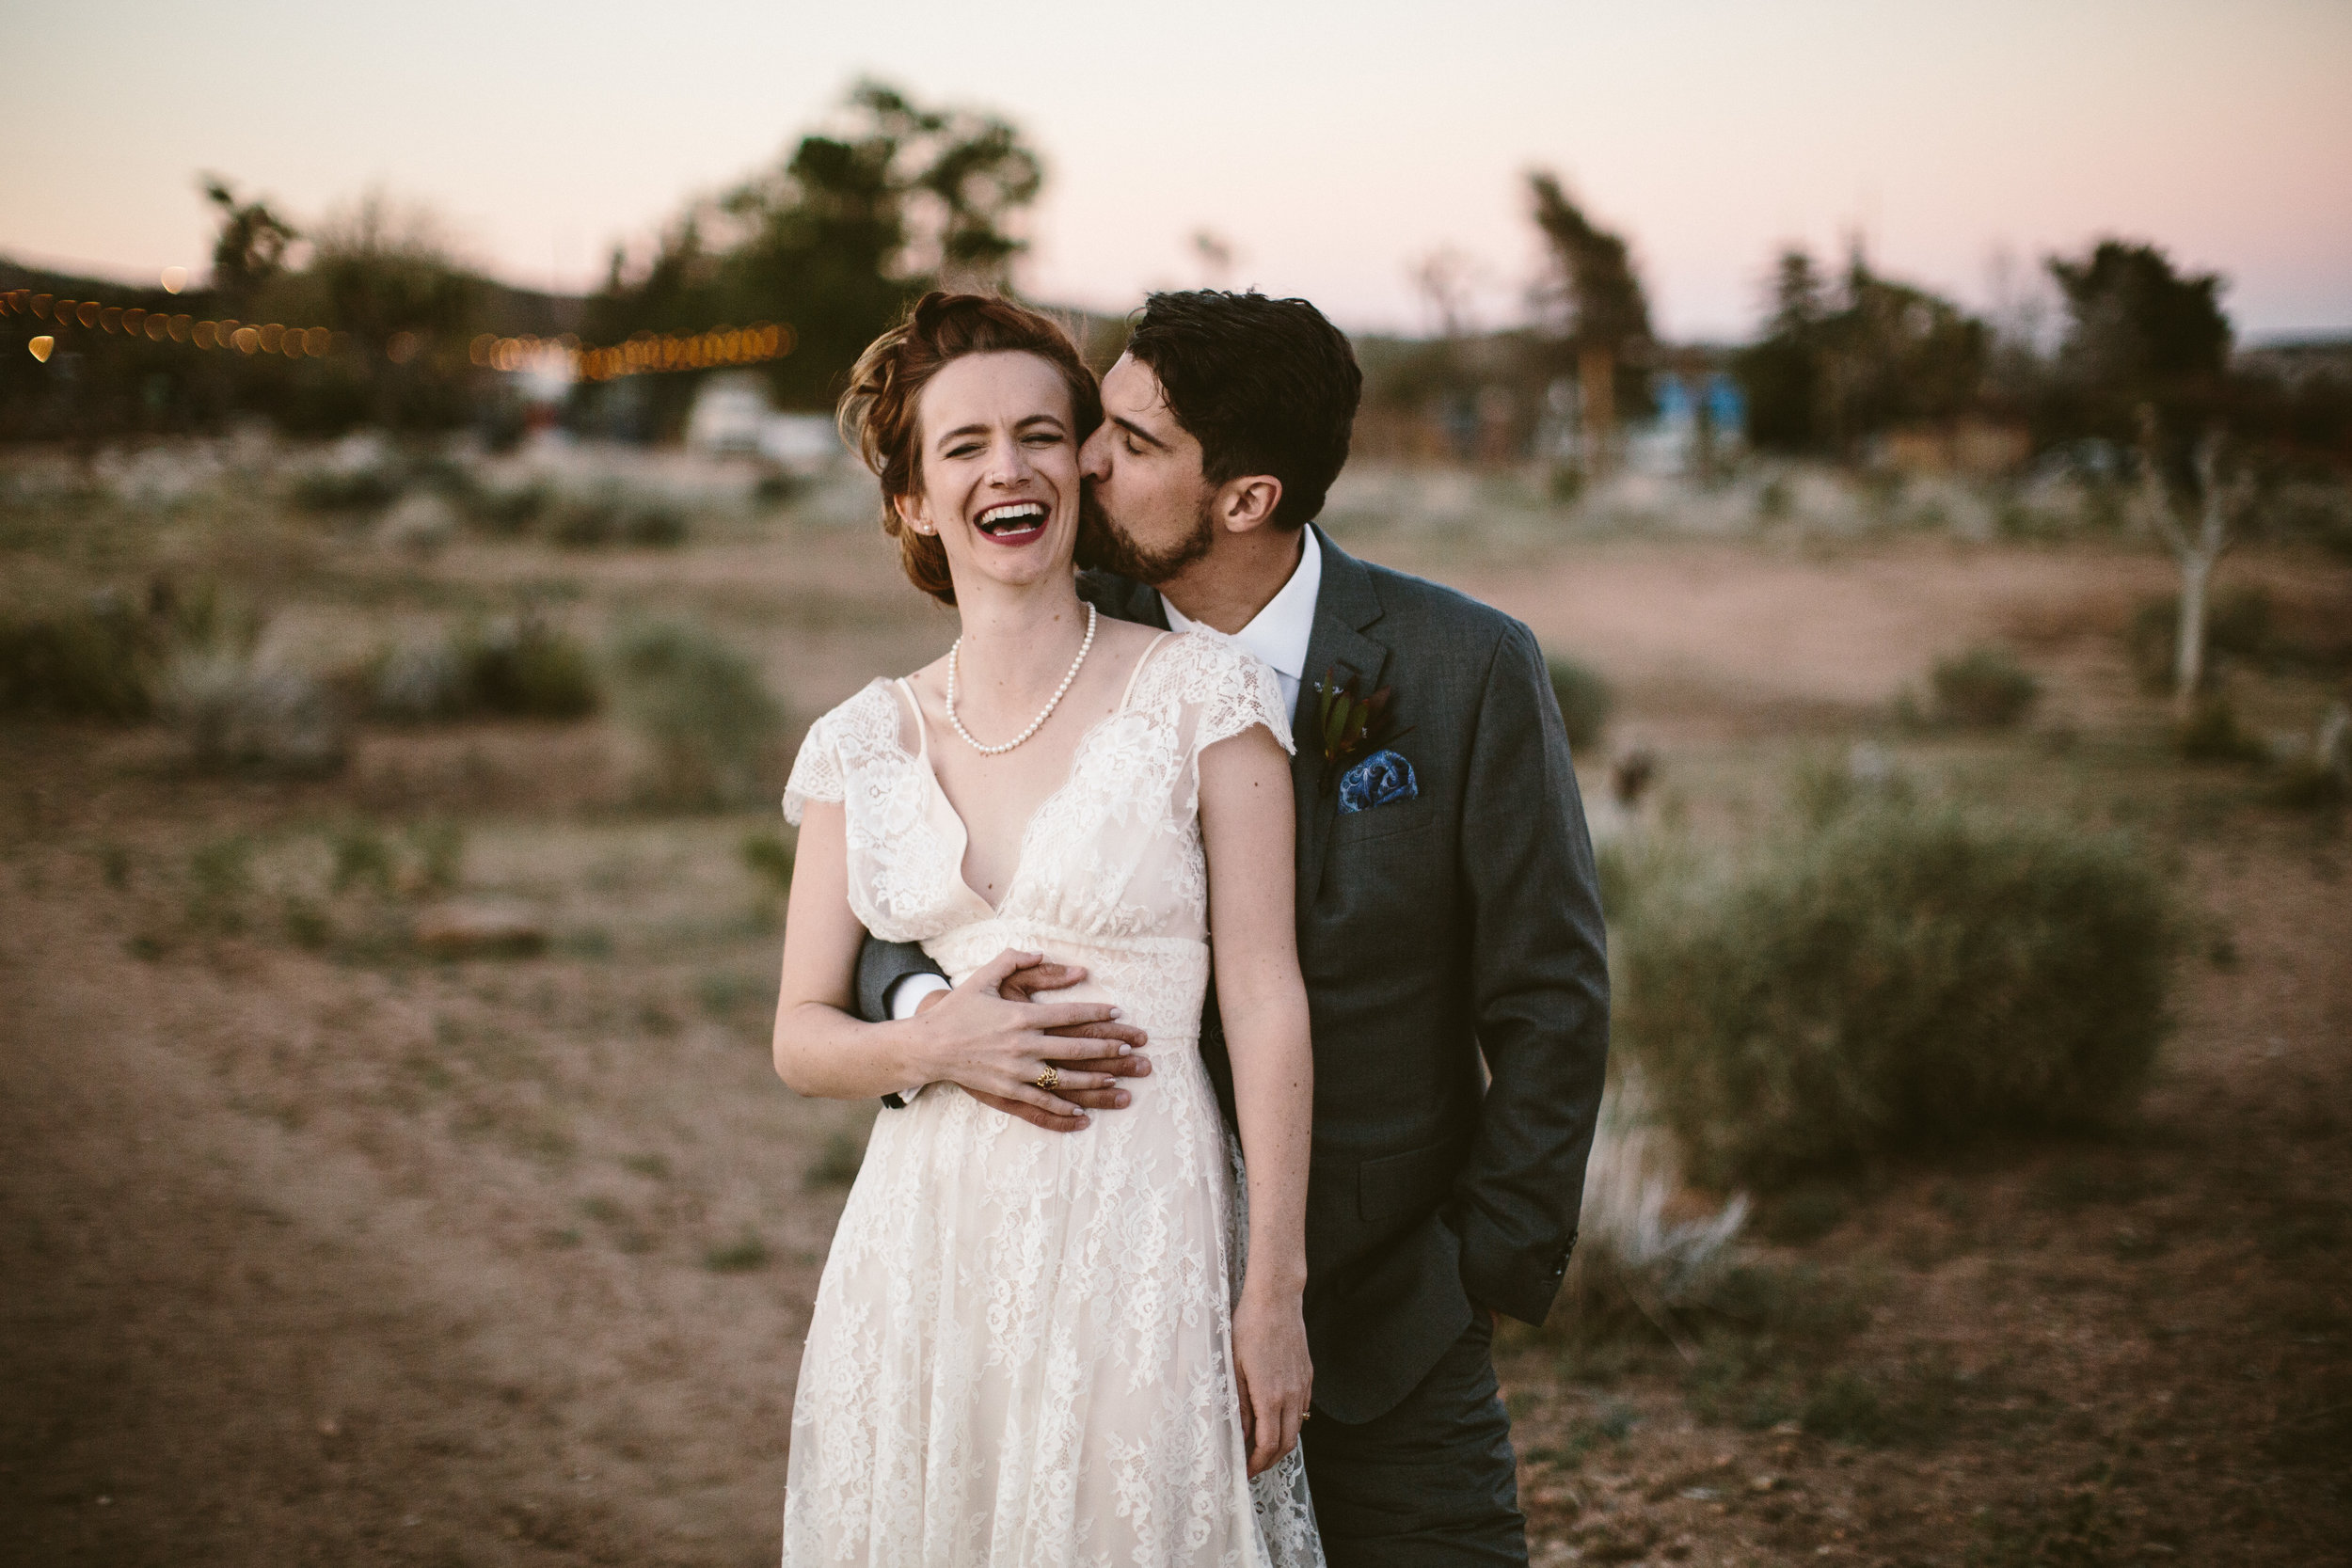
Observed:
{"x":877,"y":414}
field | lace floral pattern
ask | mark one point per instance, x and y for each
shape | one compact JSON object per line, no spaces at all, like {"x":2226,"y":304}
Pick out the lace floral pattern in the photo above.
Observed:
{"x":1022,"y":1347}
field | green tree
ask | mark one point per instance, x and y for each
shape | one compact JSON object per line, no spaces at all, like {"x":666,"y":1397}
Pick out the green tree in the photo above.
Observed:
{"x":1593,"y":278}
{"x":1602,"y":313}
{"x":386,"y":275}
{"x":1899,"y":355}
{"x":1782,"y":370}
{"x":1830,"y":371}
{"x":833,"y":240}
{"x":2141,"y":333}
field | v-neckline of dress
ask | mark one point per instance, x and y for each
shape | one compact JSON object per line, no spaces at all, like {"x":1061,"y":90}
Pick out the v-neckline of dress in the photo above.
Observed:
{"x":922,"y":758}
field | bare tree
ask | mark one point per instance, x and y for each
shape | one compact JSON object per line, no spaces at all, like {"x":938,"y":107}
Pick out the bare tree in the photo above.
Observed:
{"x":2216,"y":504}
{"x":1445,"y":279}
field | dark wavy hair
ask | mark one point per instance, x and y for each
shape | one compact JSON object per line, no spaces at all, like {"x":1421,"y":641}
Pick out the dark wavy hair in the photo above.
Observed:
{"x":878,"y":414}
{"x":1266,"y":385}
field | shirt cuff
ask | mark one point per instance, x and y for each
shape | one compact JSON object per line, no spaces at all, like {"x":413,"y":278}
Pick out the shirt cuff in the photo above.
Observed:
{"x":905,"y":994}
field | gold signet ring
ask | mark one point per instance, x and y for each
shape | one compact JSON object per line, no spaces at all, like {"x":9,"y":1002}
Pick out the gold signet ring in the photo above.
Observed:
{"x":1050,"y":1079}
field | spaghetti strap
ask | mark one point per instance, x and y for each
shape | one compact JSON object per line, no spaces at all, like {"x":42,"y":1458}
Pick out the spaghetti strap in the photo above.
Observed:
{"x":1150,"y":648}
{"x":922,"y":729}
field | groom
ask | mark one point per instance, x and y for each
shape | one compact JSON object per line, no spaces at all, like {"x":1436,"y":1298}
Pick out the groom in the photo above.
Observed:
{"x":1449,"y":925}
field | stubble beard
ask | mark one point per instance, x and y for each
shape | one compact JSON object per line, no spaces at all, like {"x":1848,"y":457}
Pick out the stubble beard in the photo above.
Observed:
{"x":1104,"y":545}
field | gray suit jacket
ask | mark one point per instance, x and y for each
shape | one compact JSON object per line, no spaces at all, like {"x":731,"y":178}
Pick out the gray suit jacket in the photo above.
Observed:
{"x":1457,"y":981}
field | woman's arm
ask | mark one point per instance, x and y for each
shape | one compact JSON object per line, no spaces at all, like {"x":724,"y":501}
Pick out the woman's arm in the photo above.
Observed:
{"x":974,"y":1036}
{"x":1248,"y":828}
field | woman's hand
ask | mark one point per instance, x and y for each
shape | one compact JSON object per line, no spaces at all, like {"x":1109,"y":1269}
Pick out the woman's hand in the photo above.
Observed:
{"x":973,"y":1038}
{"x":1028,"y":985}
{"x":1277,"y":1376}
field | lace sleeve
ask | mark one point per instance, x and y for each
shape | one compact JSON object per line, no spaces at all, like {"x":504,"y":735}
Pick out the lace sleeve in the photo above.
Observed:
{"x":815,"y":772}
{"x":1233,"y":689}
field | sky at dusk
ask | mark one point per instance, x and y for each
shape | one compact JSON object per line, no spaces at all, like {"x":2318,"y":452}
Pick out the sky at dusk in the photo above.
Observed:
{"x":1332,"y":145}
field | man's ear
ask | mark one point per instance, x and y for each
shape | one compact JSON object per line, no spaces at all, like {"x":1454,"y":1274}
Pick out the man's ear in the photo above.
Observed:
{"x":1246,"y":503}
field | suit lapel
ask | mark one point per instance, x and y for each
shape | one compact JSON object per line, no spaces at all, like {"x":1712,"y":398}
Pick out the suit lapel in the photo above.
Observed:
{"x":1345,"y":603}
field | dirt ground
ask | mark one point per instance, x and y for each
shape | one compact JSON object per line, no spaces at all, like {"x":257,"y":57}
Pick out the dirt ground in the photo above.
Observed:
{"x":317,"y":1252}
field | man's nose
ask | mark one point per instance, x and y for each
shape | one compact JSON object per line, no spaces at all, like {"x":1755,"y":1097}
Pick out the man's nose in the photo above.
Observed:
{"x":1094,"y":456}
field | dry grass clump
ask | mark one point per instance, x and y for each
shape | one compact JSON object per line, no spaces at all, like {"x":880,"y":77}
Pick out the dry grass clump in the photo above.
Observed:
{"x":1900,"y":976}
{"x":234,"y":711}
{"x":1586,"y":700}
{"x":95,"y":659}
{"x":515,"y":666}
{"x":706,"y":725}
{"x":1983,"y":688}
{"x":1633,"y":1265}
{"x":611,"y":515}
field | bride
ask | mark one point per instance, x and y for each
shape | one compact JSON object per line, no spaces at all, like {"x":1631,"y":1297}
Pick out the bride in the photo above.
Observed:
{"x":1033,"y":1347}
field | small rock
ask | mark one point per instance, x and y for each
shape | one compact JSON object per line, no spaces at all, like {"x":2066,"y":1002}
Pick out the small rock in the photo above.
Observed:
{"x":329,"y":1427}
{"x":480,"y":931}
{"x":1765,"y":1483}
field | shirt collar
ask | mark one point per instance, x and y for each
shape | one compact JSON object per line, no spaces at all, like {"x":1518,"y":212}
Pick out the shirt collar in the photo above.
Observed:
{"x":1280,"y":633}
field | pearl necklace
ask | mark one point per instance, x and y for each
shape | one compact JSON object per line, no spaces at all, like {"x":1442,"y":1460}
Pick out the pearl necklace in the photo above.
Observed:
{"x":1035,"y":725}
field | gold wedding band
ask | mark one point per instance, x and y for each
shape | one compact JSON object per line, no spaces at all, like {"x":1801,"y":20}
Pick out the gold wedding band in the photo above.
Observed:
{"x":1050,"y":1079}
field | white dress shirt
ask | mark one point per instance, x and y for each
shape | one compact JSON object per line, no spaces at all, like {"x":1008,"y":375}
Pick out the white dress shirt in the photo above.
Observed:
{"x":1277,"y":634}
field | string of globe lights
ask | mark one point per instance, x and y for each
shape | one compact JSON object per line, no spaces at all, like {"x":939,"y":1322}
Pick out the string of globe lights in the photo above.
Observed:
{"x":645,"y":353}
{"x":294,"y":342}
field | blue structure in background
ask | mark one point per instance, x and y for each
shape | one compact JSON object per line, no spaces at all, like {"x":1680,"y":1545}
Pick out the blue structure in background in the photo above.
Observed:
{"x":1726,"y":407}
{"x":1699,"y":420}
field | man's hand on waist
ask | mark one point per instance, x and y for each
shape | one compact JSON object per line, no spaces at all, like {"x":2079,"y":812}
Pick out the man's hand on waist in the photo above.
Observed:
{"x":1026,"y":985}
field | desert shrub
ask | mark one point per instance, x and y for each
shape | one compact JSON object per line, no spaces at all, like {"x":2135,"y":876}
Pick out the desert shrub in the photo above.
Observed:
{"x":612,"y":517}
{"x":770,"y":858}
{"x":1585,"y":699}
{"x":419,"y":523}
{"x":1823,"y":789}
{"x":516,"y":666}
{"x":369,"y":487}
{"x":1983,"y":688}
{"x":2309,"y":781}
{"x":510,"y":509}
{"x":418,"y":682}
{"x":220,"y":880}
{"x":747,"y":1252}
{"x":703,"y":718}
{"x":93,"y":661}
{"x":363,"y":858}
{"x":438,"y":846}
{"x":526,"y":667}
{"x":233,"y":712}
{"x":1898,"y":977}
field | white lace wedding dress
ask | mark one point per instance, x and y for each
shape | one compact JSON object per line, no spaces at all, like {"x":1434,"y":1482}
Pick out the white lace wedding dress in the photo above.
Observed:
{"x":1021,"y":1352}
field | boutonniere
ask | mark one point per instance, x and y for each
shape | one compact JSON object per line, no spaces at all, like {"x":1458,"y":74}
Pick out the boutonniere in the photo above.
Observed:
{"x":1354,"y":730}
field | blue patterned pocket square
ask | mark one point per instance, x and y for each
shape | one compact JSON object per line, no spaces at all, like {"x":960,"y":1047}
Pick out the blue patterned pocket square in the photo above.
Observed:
{"x":1381,"y":779}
